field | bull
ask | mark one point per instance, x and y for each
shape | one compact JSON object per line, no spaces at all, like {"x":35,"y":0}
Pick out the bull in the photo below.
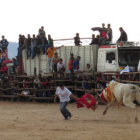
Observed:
{"x":121,"y":93}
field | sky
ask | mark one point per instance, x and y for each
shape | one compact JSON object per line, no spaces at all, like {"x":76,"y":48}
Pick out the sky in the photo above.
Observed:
{"x":63,"y":18}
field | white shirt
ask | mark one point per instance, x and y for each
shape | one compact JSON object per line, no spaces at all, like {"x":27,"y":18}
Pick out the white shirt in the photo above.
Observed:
{"x":60,"y":66}
{"x":64,"y":95}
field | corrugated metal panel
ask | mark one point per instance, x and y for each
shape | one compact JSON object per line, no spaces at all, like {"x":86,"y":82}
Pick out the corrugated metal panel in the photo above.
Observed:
{"x":88,"y":55}
{"x":32,"y":65}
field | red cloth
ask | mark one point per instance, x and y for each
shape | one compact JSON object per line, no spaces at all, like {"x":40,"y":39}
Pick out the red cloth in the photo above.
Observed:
{"x":45,"y":83}
{"x":103,"y":34}
{"x":86,"y":100}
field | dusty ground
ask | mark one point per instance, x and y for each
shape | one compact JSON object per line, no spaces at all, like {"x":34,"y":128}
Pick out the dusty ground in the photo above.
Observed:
{"x":36,"y":121}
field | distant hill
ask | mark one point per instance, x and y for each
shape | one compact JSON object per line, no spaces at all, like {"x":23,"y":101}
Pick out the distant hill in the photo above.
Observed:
{"x":12,"y":49}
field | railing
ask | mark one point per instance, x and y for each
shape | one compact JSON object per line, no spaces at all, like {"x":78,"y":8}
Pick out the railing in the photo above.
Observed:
{"x":87,"y":41}
{"x":70,"y":41}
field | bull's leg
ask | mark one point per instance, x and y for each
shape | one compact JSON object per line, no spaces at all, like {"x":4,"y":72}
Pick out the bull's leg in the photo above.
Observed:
{"x":107,"y":107}
{"x":127,"y":103}
{"x":136,"y":118}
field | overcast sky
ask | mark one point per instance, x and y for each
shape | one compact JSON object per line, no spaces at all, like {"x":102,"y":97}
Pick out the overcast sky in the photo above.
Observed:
{"x":63,"y":18}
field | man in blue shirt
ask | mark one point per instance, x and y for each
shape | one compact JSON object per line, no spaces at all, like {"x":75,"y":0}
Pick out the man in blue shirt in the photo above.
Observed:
{"x":76,"y":64}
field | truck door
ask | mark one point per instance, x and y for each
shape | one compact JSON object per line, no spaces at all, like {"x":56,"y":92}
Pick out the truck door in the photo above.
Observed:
{"x":111,"y":63}
{"x":101,"y":61}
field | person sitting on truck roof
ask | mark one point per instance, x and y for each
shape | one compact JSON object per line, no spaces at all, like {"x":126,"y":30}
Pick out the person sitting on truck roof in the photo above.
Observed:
{"x":123,"y":36}
{"x":93,"y":41}
{"x":77,"y":41}
{"x":4,"y":43}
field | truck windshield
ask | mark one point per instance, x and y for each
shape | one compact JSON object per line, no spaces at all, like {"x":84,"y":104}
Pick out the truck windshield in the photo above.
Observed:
{"x":129,"y":57}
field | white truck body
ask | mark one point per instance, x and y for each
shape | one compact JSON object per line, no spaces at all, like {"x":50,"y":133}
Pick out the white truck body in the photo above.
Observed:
{"x":102,"y":59}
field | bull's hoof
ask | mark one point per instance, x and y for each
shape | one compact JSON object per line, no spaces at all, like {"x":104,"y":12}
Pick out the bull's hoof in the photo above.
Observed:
{"x":104,"y":112}
{"x":136,"y":120}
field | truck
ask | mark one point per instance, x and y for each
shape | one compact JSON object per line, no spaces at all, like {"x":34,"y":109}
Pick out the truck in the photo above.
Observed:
{"x":103,"y":58}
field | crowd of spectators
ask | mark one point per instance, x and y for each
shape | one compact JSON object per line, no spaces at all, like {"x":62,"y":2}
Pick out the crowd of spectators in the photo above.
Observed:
{"x":34,"y":45}
{"x":104,"y":37}
{"x":3,"y":56}
{"x":41,"y":44}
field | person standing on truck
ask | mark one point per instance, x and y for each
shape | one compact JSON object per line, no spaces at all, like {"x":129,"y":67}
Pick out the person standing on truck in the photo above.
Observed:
{"x":55,"y":60}
{"x":103,"y":35}
{"x":109,"y":32}
{"x":93,"y":41}
{"x":28,"y":46}
{"x":123,"y":36}
{"x":76,"y":64}
{"x":70,"y":65}
{"x":50,"y":53}
{"x":77,"y":41}
{"x":4,"y":43}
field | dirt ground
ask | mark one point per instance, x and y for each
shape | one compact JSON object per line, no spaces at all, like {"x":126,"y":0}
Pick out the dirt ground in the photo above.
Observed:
{"x":37,"y":121}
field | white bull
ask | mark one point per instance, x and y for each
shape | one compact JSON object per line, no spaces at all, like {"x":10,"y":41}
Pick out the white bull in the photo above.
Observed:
{"x":125,"y":94}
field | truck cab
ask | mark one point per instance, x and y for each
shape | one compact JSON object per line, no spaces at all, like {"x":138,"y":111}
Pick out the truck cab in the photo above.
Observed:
{"x":115,"y":57}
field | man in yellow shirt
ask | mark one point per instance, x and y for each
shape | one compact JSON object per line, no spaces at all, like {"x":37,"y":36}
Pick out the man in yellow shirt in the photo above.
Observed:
{"x":50,"y":53}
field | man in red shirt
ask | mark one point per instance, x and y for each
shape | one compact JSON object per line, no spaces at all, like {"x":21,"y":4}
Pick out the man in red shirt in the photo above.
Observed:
{"x":4,"y":69}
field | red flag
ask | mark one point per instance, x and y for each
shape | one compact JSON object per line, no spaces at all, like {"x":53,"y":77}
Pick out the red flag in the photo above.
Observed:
{"x":88,"y":101}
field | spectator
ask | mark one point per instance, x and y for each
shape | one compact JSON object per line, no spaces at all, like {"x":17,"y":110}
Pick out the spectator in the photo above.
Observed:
{"x":50,"y":53}
{"x":44,"y":43}
{"x":4,"y":69}
{"x":85,"y":83}
{"x":22,"y":45}
{"x":0,"y":55}
{"x":39,"y":43}
{"x":39,"y":33}
{"x":88,"y":68}
{"x":15,"y":64}
{"x":70,"y":65}
{"x":97,"y":39}
{"x":103,"y":35}
{"x":88,"y":71}
{"x":28,"y":48}
{"x":36,"y":82}
{"x":4,"y":43}
{"x":61,"y":67}
{"x":77,"y":40}
{"x":33,"y":46}
{"x":43,"y":33}
{"x":76,"y":64}
{"x":93,"y":41}
{"x":55,"y":60}
{"x":50,"y":41}
{"x":109,"y":32}
{"x":123,"y":36}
